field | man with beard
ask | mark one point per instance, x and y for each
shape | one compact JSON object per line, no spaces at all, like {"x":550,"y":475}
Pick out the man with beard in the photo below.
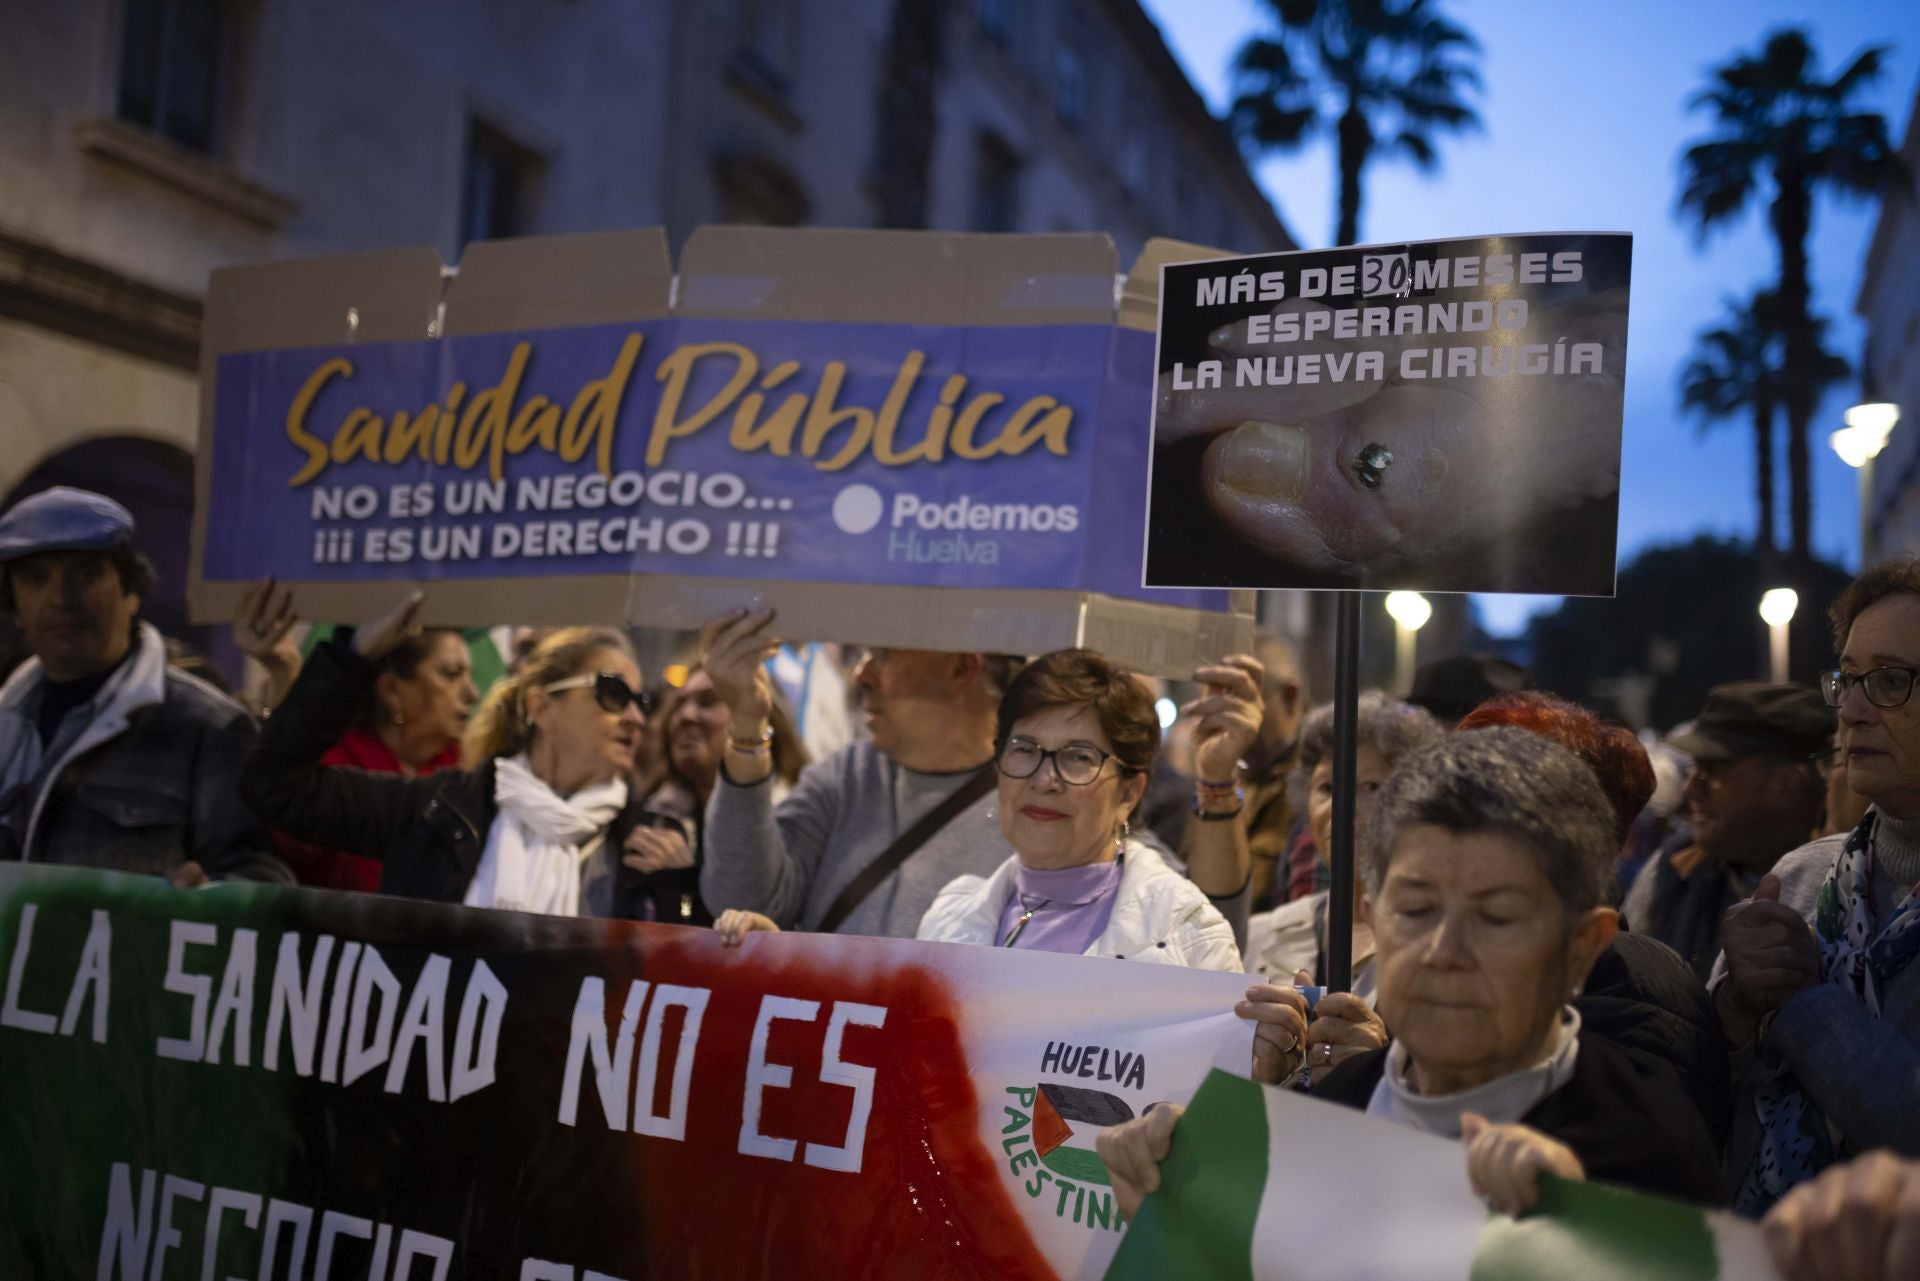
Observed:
{"x":1755,"y":793}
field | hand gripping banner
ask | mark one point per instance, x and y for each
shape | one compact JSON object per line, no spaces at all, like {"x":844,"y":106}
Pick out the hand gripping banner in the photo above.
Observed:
{"x":257,"y":1082}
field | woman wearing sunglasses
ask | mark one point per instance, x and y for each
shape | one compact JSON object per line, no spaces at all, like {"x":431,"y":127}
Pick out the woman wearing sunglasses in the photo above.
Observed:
{"x":1818,"y":984}
{"x":535,"y":818}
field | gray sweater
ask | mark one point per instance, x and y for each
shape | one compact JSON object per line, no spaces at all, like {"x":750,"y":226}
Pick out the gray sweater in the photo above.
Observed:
{"x":1862,"y":1072}
{"x":792,"y":861}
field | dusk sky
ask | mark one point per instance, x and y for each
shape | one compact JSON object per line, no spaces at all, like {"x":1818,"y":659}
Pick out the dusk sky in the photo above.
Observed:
{"x":1585,"y":121}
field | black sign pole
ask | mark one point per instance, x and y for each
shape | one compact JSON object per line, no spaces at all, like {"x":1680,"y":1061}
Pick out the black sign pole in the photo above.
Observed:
{"x":1346,"y":711}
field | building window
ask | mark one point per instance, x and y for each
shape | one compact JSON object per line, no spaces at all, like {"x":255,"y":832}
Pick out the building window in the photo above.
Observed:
{"x":501,"y":186}
{"x":996,"y":184}
{"x":758,"y":190}
{"x":173,"y":58}
{"x":1069,"y":84}
{"x":996,"y":20}
{"x":766,"y":45}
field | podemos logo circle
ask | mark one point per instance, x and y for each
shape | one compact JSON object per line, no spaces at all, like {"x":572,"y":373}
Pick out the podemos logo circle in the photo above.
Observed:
{"x":858,"y":508}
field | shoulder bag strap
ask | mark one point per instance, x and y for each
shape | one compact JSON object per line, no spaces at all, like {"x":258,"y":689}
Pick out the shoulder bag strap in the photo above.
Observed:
{"x":889,"y":860}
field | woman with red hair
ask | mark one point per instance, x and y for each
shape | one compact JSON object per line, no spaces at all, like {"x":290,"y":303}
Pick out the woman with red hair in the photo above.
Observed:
{"x":1613,"y":754}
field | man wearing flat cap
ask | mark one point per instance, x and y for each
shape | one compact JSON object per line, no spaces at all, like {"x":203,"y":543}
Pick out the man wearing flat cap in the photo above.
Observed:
{"x":108,"y":757}
{"x":1756,"y":792}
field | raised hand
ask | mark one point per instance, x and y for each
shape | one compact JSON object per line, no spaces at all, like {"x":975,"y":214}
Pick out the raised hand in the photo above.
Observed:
{"x":375,"y":640}
{"x":735,"y":647}
{"x":1226,"y":715}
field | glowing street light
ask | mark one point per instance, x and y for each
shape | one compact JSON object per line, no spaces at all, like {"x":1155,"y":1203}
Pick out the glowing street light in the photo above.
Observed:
{"x":1864,"y":436}
{"x":1410,"y":612}
{"x":1776,"y":608}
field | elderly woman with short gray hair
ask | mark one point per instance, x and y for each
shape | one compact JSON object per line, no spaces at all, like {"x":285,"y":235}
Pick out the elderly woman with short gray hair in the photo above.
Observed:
{"x":1487,"y":862}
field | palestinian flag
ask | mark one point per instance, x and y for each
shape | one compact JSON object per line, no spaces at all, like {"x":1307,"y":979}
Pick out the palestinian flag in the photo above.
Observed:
{"x":1066,"y":1119}
{"x":1261,"y":1183}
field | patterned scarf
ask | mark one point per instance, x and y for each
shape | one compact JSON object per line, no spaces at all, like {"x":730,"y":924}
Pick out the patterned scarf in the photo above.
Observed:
{"x":1796,"y":1142}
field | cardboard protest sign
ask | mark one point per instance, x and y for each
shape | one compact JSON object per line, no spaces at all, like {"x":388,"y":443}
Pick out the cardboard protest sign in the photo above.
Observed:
{"x":898,"y":438}
{"x":1443,"y":415}
{"x":257,"y":1081}
{"x":1259,"y":1183}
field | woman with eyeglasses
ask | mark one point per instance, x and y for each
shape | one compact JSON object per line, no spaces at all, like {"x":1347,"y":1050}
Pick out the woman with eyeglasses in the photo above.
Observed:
{"x":1818,"y":983}
{"x":533,"y":821}
{"x":1076,"y":739}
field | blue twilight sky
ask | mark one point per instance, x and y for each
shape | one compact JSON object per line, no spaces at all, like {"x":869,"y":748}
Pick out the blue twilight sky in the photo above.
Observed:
{"x":1584,"y":108}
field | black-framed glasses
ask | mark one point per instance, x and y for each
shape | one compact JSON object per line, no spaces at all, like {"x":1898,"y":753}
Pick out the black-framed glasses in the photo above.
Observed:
{"x":1884,"y":686}
{"x":609,"y":690}
{"x":1076,"y":763}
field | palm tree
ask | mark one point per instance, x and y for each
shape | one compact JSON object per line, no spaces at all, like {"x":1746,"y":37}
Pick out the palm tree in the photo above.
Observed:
{"x":1383,"y":76}
{"x":1736,"y":366}
{"x":1776,"y":122}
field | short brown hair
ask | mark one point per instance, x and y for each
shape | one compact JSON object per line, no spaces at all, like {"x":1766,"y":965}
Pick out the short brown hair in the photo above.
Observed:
{"x":1083,"y":678}
{"x":1889,"y":578}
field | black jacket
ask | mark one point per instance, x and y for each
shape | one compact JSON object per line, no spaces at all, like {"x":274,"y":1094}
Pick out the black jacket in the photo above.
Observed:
{"x":152,"y":795}
{"x":429,"y":832}
{"x":1629,"y":1120}
{"x":1642,"y":997}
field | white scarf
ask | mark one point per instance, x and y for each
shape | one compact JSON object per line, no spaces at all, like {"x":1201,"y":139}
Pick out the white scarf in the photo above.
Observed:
{"x":539,"y":841}
{"x":1503,"y":1100}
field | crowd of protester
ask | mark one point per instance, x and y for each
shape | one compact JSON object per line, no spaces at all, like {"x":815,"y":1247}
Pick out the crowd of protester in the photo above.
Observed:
{"x":1710,"y":996}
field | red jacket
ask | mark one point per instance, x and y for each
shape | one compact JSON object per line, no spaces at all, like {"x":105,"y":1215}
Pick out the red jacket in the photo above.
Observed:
{"x":327,"y":869}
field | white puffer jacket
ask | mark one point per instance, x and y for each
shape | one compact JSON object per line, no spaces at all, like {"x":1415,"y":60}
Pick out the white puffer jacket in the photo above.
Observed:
{"x":1158,"y":915}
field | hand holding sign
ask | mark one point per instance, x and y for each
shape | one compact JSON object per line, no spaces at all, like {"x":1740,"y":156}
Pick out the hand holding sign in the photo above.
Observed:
{"x":1132,"y":1152}
{"x":736,"y":923}
{"x":1279,"y":1017}
{"x":736,"y":647}
{"x":262,"y":630}
{"x":1505,"y":1162}
{"x":1860,"y":1221}
{"x":386,"y":633}
{"x":1226,"y":715}
{"x":1343,"y":1026}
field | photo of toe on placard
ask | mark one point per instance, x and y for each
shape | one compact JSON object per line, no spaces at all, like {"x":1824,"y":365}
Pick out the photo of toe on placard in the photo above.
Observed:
{"x":1442,"y":415}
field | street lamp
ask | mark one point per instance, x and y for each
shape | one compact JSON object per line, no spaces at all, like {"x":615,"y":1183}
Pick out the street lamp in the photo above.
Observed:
{"x":1864,"y":436}
{"x":1776,"y":607}
{"x":1410,"y":613}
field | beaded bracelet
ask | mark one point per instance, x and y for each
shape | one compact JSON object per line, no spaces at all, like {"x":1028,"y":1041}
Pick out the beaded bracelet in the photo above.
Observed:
{"x":1208,"y":794}
{"x":752,"y":746}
